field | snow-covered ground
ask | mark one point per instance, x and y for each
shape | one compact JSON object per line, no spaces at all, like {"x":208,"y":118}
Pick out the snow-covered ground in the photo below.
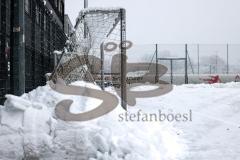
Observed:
{"x":29,"y":128}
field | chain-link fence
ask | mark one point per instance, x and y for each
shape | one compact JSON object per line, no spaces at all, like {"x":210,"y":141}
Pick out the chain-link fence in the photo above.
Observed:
{"x":191,"y":63}
{"x":43,"y":35}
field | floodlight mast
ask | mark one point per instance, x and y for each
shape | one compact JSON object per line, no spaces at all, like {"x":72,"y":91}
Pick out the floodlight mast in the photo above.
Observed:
{"x":85,"y":3}
{"x":85,"y":26}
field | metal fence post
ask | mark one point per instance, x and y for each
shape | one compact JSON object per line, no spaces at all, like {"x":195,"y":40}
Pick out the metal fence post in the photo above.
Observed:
{"x":55,"y":60}
{"x":227,"y":59}
{"x":85,"y":3}
{"x":85,"y":24}
{"x":186,"y":64}
{"x":157,"y":74}
{"x":198,"y":52}
{"x":171,"y":65}
{"x":18,"y":61}
{"x":123,"y":59}
{"x":216,"y":68}
{"x":102,"y":66}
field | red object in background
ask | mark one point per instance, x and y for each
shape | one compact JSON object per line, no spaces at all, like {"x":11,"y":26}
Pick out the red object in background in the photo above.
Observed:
{"x":213,"y":79}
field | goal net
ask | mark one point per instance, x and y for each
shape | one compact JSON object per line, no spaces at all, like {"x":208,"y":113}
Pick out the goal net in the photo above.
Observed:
{"x":100,"y":35}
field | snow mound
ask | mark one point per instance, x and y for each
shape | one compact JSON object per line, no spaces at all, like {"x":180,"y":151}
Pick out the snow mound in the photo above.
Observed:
{"x":29,"y":129}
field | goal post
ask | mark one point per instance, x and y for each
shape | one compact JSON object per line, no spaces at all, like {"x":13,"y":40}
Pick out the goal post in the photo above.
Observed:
{"x":94,"y":28}
{"x":123,"y":59}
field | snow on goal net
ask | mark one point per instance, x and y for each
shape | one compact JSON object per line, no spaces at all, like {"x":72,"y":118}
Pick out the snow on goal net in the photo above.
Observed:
{"x":100,"y":35}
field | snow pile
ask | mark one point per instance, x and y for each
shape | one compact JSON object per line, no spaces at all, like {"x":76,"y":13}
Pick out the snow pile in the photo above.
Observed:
{"x":29,"y":129}
{"x":57,"y":52}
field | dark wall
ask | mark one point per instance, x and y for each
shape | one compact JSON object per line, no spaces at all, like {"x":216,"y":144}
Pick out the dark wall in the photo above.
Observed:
{"x":43,"y":35}
{"x":5,"y":25}
{"x":58,"y":6}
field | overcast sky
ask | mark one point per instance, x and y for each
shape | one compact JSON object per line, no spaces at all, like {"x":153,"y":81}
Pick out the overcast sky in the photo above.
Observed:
{"x":174,"y":21}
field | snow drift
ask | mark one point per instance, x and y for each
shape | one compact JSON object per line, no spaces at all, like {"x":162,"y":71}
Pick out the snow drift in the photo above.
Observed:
{"x":30,"y":130}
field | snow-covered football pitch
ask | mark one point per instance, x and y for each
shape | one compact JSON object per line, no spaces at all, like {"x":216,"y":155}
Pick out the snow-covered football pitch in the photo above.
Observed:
{"x":29,"y":128}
